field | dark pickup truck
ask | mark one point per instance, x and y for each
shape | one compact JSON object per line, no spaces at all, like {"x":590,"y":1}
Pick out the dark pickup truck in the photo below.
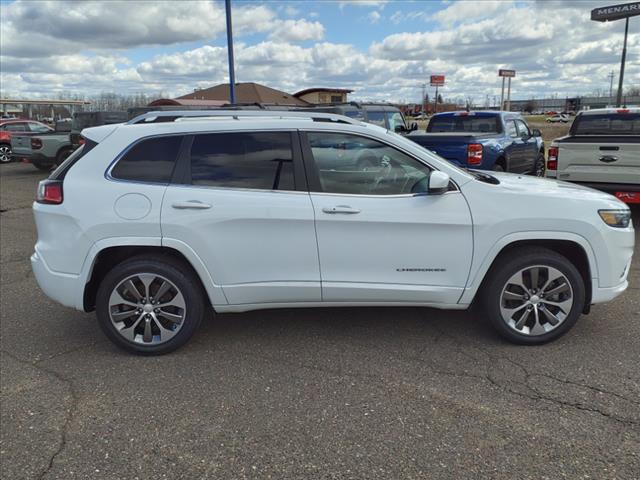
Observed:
{"x":500,"y":141}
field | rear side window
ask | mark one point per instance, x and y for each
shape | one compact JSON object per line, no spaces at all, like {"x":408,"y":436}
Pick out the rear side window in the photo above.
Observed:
{"x":607,"y":124}
{"x":260,"y":160}
{"x":15,"y":127}
{"x":151,"y":160}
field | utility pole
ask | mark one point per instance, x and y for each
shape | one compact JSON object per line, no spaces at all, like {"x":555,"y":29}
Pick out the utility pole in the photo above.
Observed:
{"x":424,"y":100}
{"x":502,"y":96}
{"x":624,"y":57}
{"x":509,"y":95}
{"x":232,"y":75}
{"x":611,"y":74}
{"x":435,"y":104}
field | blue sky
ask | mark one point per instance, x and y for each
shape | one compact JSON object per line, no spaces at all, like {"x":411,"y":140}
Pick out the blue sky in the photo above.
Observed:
{"x":384,"y":50}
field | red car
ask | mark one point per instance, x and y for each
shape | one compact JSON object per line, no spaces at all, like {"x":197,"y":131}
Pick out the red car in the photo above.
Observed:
{"x":8,"y":127}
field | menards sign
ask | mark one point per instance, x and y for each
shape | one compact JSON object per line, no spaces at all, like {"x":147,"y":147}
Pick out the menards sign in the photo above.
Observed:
{"x":615,"y":12}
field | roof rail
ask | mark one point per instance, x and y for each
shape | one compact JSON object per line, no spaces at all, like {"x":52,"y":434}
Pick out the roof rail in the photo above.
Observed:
{"x":173,"y":115}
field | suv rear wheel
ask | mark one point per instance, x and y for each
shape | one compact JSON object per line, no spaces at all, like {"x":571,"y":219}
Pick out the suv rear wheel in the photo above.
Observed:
{"x":534,"y":296}
{"x":149,"y":306}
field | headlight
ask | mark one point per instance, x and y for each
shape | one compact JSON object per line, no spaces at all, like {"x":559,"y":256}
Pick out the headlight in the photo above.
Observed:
{"x":616,"y":218}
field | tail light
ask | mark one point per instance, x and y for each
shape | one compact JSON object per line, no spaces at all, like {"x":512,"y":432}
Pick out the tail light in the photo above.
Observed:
{"x":50,"y":192}
{"x":552,"y":162}
{"x":36,"y":143}
{"x":474,"y":154}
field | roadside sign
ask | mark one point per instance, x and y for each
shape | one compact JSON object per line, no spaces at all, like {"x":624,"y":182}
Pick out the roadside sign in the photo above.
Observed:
{"x":615,"y":12}
{"x":437,"y":80}
{"x":506,"y":73}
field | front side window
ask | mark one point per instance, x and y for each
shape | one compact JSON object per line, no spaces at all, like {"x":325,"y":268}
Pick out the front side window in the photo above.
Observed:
{"x":260,"y":160}
{"x":523,"y":129}
{"x":150,"y":160}
{"x":396,"y":120}
{"x":511,"y":128}
{"x":38,"y":128}
{"x":351,"y":164}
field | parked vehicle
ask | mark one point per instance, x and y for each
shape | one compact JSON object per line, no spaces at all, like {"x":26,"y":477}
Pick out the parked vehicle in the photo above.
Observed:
{"x":8,"y":128}
{"x":162,"y":220}
{"x":602,"y":151}
{"x":384,"y":115}
{"x":499,"y":141}
{"x":82,"y":120}
{"x":558,"y":118}
{"x":43,"y":150}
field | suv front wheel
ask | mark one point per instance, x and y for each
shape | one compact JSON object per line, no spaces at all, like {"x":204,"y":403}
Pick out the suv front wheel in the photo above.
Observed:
{"x":149,"y":306}
{"x":534,"y":296}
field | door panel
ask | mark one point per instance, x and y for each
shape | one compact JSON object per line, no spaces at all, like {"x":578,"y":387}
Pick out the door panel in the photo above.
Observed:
{"x":239,"y":210}
{"x":378,"y":239}
{"x":410,"y":249}
{"x":260,"y":246}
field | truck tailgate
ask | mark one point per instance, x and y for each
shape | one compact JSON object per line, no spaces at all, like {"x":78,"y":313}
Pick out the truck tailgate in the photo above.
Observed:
{"x":599,"y":160}
{"x":450,"y":146}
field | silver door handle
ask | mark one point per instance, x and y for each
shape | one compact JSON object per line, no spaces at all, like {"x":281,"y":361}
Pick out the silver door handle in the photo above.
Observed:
{"x":191,"y":204}
{"x":341,"y":209}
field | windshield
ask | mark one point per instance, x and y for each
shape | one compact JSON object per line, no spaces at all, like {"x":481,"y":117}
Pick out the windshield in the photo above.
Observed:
{"x":464,"y":124}
{"x":607,"y":124}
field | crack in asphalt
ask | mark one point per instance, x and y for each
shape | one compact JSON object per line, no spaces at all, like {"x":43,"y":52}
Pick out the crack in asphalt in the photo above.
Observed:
{"x":13,"y":209}
{"x":537,"y":395}
{"x":70,"y":411}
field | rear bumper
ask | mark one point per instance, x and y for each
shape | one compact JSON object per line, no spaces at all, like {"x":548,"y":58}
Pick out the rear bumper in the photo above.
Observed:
{"x":61,"y":287}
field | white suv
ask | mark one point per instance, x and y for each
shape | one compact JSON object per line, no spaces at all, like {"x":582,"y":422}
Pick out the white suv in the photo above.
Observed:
{"x":153,"y":222}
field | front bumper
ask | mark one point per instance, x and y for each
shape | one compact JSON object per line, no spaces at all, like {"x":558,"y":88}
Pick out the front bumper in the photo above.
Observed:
{"x":61,"y":287}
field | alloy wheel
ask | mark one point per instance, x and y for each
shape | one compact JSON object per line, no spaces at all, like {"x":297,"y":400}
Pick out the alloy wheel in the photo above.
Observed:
{"x":536,"y":300}
{"x":147,"y":309}
{"x":5,"y":154}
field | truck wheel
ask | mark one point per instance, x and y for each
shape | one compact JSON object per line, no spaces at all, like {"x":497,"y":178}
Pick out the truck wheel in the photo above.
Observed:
{"x":149,"y":305}
{"x":539,"y":167}
{"x":534,"y":296}
{"x":5,"y":153}
{"x":498,"y":168}
{"x":63,"y":154}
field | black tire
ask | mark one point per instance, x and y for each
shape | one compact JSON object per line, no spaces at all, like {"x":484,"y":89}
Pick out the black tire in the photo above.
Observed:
{"x":5,"y":153}
{"x":62,"y":155}
{"x":497,"y":167}
{"x":511,"y":263}
{"x":539,"y":167}
{"x":174,"y":271}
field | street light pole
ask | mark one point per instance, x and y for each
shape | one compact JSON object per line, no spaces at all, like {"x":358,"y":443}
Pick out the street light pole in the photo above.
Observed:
{"x":232,"y":75}
{"x":624,"y":57}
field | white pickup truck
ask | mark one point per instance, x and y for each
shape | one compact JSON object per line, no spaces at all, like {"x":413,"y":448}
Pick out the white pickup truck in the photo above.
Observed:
{"x":602,"y":151}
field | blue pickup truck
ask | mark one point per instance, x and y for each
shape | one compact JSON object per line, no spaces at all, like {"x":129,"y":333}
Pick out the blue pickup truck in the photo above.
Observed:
{"x":500,"y":141}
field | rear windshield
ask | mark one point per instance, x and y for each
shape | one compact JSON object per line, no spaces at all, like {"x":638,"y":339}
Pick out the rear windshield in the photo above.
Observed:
{"x":464,"y":124}
{"x":607,"y":124}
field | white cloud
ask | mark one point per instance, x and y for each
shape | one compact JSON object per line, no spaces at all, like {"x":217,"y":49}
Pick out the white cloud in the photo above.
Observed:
{"x":297,"y":31}
{"x":374,"y":17}
{"x":465,"y":11}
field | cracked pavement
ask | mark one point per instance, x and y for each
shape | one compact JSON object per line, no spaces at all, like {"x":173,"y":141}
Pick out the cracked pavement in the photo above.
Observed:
{"x":327,"y":393}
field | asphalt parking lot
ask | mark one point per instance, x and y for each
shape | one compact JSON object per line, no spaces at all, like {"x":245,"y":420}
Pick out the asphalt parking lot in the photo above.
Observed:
{"x":374,"y":393}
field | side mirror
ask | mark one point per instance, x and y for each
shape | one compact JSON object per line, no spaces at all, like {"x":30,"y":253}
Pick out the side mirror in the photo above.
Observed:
{"x":399,"y":128}
{"x":537,"y":133}
{"x":438,"y":183}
